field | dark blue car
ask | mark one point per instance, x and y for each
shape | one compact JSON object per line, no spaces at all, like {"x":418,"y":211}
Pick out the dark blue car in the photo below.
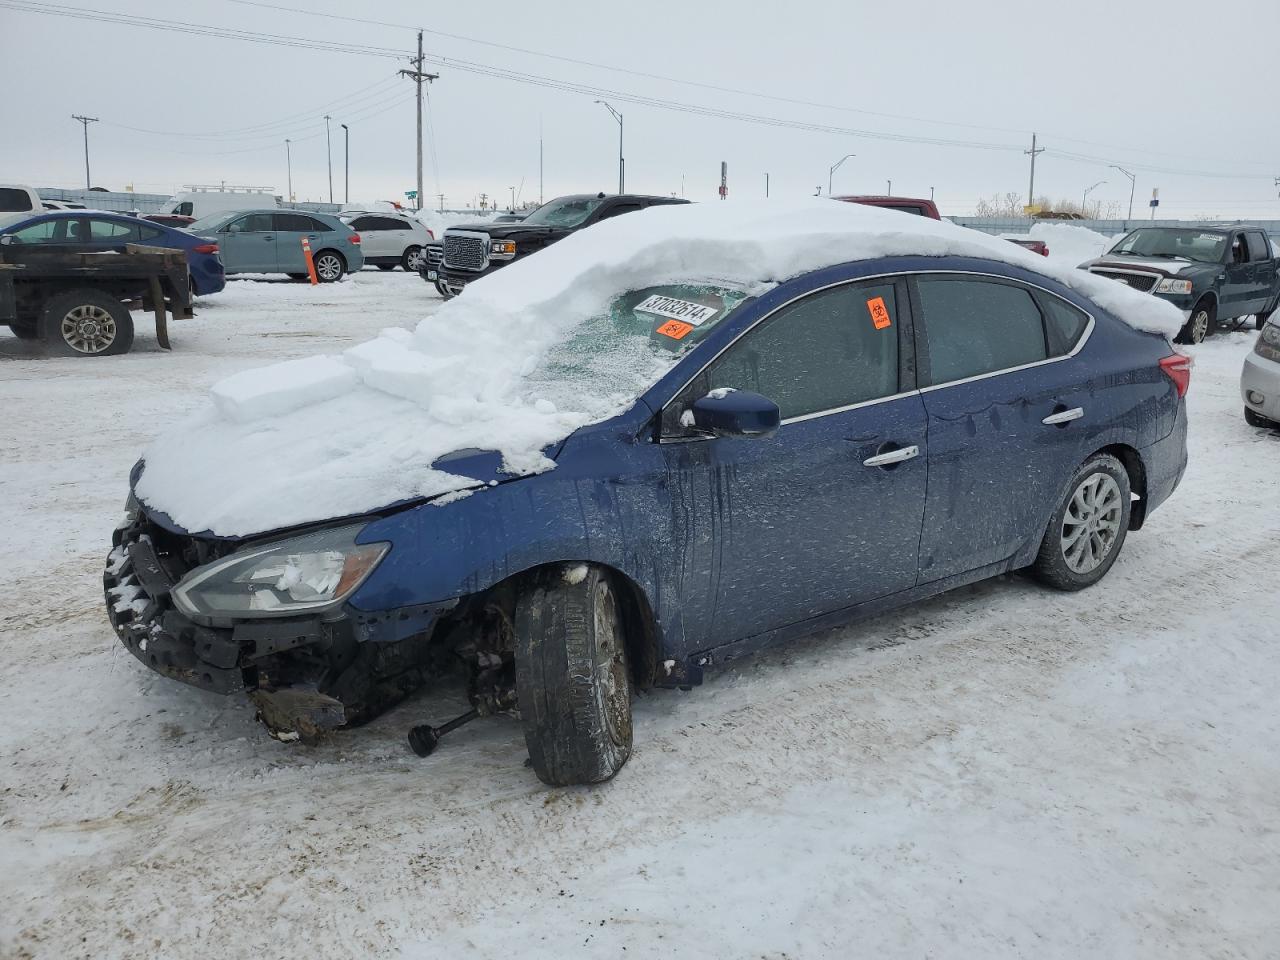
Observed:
{"x":90,"y":230}
{"x":854,"y":439}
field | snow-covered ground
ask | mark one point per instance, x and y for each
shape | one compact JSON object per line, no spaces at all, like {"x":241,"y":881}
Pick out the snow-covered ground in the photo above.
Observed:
{"x":1001,"y":772}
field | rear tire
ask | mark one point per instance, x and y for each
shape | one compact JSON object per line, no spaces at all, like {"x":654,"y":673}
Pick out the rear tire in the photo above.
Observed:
{"x":412,"y":259}
{"x":330,"y":267}
{"x":86,"y":323}
{"x":572,"y":677}
{"x":1201,"y":323}
{"x":1255,"y":419}
{"x":1088,"y":528}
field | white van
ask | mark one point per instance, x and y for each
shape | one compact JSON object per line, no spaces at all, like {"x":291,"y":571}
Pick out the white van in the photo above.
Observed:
{"x":200,"y":202}
{"x":15,"y":199}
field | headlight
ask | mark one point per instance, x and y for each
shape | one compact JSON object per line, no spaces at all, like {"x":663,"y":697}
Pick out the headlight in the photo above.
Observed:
{"x":1173,"y":286}
{"x":281,"y":579}
{"x":502,"y":249}
{"x":1268,"y":344}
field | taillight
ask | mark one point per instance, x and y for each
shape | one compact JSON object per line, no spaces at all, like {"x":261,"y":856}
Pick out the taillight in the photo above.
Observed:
{"x":206,"y":248}
{"x":430,"y":234}
{"x":354,"y":238}
{"x":1178,"y":369}
{"x":1044,"y":251}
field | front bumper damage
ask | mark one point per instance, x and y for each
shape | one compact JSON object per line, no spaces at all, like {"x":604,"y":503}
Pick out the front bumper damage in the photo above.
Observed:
{"x":305,"y":675}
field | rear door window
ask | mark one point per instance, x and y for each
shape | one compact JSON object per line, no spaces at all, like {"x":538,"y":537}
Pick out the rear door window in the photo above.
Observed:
{"x":1259,"y":248}
{"x":1064,"y":325}
{"x":298,"y":223}
{"x":111,"y":232}
{"x":974,"y":327}
{"x":252,"y":223}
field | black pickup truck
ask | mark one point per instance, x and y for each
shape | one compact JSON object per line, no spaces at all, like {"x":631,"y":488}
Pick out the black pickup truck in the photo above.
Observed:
{"x":471,"y":251}
{"x":1212,"y":273}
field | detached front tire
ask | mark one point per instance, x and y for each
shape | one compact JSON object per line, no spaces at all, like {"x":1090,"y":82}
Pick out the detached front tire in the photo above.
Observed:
{"x":86,"y":323}
{"x":572,"y":676}
{"x":1088,"y":528}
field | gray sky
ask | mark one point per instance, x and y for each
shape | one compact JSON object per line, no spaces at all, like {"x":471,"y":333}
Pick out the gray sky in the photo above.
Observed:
{"x":1142,"y":84}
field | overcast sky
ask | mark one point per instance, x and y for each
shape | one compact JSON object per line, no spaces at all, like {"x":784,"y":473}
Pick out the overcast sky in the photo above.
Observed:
{"x":1173,"y":85}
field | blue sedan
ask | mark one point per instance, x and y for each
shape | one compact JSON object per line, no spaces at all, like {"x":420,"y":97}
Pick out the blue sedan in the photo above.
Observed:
{"x":848,"y":440}
{"x":91,"y":230}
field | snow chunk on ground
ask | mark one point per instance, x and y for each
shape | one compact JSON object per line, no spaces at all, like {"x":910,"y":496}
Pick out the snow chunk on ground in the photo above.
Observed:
{"x":281,"y":388}
{"x":522,"y":359}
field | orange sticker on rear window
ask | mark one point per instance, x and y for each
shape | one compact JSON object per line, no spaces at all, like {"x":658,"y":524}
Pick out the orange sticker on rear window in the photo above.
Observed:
{"x":676,"y":329}
{"x":879,"y":312}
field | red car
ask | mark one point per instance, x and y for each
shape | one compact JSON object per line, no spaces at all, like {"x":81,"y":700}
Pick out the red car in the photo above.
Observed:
{"x":170,"y":219}
{"x":921,"y":208}
{"x":1035,"y":246}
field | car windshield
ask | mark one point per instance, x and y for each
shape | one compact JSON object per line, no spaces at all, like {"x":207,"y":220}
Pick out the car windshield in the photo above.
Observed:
{"x":1191,"y":244}
{"x":564,"y":212}
{"x":621,"y":351}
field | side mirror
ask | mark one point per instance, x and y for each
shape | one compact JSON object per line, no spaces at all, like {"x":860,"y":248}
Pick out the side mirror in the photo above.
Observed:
{"x":7,"y":239}
{"x":726,"y":412}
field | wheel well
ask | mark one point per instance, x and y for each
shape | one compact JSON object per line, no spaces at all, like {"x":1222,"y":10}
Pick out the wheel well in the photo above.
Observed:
{"x":637,"y":616}
{"x":1213,"y":304}
{"x":1137,"y":472}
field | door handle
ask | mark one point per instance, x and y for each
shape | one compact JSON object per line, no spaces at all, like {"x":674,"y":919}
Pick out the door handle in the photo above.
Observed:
{"x":1063,"y":416}
{"x":268,"y":239}
{"x":891,"y":457}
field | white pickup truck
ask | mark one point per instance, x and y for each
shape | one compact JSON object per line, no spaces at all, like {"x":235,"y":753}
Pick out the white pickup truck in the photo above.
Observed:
{"x":15,"y":199}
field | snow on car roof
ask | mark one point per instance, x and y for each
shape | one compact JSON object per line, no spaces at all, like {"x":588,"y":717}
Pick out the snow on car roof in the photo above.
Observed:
{"x":328,"y":437}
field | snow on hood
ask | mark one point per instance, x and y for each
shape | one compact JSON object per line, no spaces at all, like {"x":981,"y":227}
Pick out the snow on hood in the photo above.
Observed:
{"x":334,"y":436}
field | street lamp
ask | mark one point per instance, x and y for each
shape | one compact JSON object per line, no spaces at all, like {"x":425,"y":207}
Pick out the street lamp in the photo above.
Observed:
{"x":346,"y":163}
{"x":288,"y":160}
{"x":1132,"y":182}
{"x":328,"y":149}
{"x":836,"y":166}
{"x":622,"y":164}
{"x":1085,"y":199}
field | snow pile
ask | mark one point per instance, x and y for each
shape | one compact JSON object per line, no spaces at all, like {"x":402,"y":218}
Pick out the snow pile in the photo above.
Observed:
{"x":518,"y":362}
{"x":1069,"y":244}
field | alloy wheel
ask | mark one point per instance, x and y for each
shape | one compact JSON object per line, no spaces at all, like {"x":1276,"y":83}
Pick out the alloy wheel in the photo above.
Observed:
{"x":615,"y":686}
{"x":88,"y":329}
{"x":1091,"y":524}
{"x":329,"y":267}
{"x":1199,"y":326}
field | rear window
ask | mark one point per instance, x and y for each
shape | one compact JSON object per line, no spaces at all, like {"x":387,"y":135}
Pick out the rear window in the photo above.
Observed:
{"x":14,"y":201}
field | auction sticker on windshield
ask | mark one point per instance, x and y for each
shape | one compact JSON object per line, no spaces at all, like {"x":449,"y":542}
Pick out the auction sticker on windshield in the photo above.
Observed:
{"x":675,"y":329}
{"x":685,"y":311}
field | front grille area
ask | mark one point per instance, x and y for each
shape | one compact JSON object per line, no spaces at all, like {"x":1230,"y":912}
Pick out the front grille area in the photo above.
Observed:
{"x":434,"y":255}
{"x":1142,"y":282}
{"x":464,"y":253}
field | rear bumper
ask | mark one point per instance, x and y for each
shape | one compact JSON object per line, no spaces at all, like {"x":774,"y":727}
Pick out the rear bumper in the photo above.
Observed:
{"x":1165,"y":462}
{"x":1261,"y":377}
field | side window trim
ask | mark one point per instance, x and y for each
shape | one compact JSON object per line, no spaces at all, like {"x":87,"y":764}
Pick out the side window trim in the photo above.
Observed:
{"x":1032,"y":289}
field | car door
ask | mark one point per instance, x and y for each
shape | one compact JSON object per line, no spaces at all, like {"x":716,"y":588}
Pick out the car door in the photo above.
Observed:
{"x":291,"y":229}
{"x":826,"y":513}
{"x":1008,"y":407}
{"x":1264,"y":270}
{"x":248,"y":244}
{"x":375,"y":240}
{"x":103,"y":234}
{"x":1238,"y":290}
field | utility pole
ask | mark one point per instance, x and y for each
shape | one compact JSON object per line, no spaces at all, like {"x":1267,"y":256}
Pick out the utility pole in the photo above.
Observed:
{"x":346,"y":163}
{"x":328,"y":149}
{"x":288,"y":162}
{"x":1031,"y":188}
{"x":539,"y":168}
{"x":441,"y":196}
{"x":513,"y":198}
{"x":85,"y":121}
{"x":766,"y":186}
{"x":832,"y":170}
{"x":931,"y":193}
{"x":1133,"y":180}
{"x":622,"y":164}
{"x":889,"y":193}
{"x":418,"y":77}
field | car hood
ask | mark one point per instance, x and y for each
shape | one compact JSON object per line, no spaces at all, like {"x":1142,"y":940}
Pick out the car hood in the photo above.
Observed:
{"x":510,"y":231}
{"x":482,"y":468}
{"x":1166,"y":268}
